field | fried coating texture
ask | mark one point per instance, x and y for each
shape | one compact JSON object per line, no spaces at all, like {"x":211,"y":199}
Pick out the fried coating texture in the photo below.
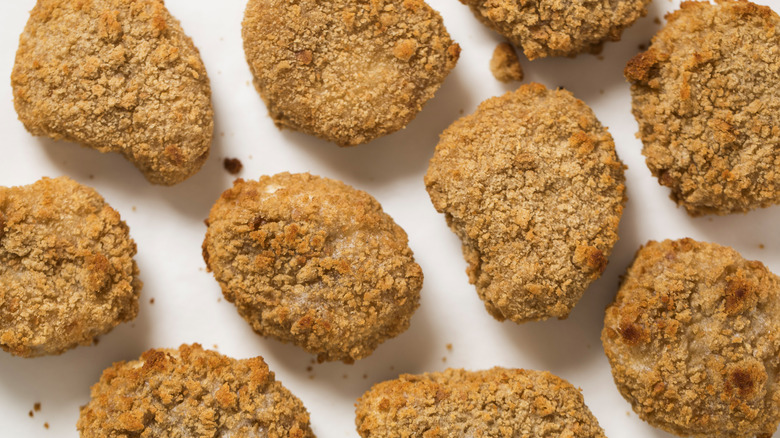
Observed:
{"x":192,"y":392}
{"x":346,"y":71}
{"x":505,"y":65}
{"x":492,"y":403}
{"x":693,"y":338}
{"x":116,"y":76}
{"x":314,"y":262}
{"x":532,"y":186}
{"x":706,"y":98}
{"x":558,"y":27}
{"x":67,"y":273}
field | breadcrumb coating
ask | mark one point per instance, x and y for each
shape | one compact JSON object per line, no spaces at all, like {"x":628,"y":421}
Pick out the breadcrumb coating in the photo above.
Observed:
{"x":314,"y":262}
{"x":531,"y":184}
{"x":693,"y":338}
{"x":706,"y":98}
{"x":505,"y":65}
{"x":493,"y":403}
{"x":558,"y":27}
{"x":192,"y":392}
{"x":116,"y":76}
{"x":347,"y":71}
{"x":67,"y":273}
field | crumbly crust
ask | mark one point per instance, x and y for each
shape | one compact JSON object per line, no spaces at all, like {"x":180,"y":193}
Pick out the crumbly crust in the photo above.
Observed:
{"x":314,"y":262}
{"x":505,"y":65}
{"x":116,"y":76}
{"x":346,"y":71}
{"x":67,"y":273}
{"x":531,"y":184}
{"x":192,"y":392}
{"x":693,"y":338}
{"x":558,"y":27}
{"x":706,"y":98}
{"x":492,"y":403}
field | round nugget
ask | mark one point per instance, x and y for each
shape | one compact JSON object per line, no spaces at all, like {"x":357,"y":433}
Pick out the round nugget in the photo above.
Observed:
{"x":706,"y":98}
{"x":531,"y":184}
{"x":693,"y":338}
{"x":192,"y":392}
{"x":347,"y":71}
{"x":314,"y":262}
{"x":116,"y":76}
{"x":491,"y":403}
{"x":558,"y":27}
{"x":67,"y":273}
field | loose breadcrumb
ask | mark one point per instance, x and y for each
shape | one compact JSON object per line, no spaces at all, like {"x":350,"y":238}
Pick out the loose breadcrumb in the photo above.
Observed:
{"x":505,"y":65}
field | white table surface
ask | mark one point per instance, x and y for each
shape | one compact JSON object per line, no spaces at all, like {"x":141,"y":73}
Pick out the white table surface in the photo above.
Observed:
{"x":167,"y":224}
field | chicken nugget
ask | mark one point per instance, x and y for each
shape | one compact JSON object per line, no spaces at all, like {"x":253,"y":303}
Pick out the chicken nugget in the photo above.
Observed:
{"x":707,"y":100}
{"x":491,"y":403}
{"x":532,"y":186}
{"x":693,"y":338}
{"x":558,"y":27}
{"x":314,"y":262}
{"x":67,"y":273}
{"x":348,"y":71}
{"x":116,"y":76}
{"x":192,"y":392}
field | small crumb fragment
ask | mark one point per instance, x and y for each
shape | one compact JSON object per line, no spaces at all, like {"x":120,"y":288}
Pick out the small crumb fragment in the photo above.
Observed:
{"x":37,"y":406}
{"x":657,"y":20}
{"x":449,"y":347}
{"x":761,"y":246}
{"x":505,"y":65}
{"x":600,"y":57}
{"x":216,"y":347}
{"x":151,"y":300}
{"x":642,"y":47}
{"x":309,"y":368}
{"x":91,"y":176}
{"x":134,"y":208}
{"x":233,"y":165}
{"x":46,"y":425}
{"x":444,"y":359}
{"x":365,"y":376}
{"x":31,"y":414}
{"x":344,"y":376}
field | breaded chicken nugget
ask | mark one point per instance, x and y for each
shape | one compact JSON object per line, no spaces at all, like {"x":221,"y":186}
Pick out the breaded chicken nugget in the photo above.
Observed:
{"x":558,"y":27}
{"x":693,"y":338}
{"x":348,"y":71}
{"x":67,"y":273}
{"x":531,"y":184}
{"x":314,"y":262}
{"x":492,"y":403}
{"x":191,"y":392}
{"x":116,"y":76}
{"x":707,"y":100}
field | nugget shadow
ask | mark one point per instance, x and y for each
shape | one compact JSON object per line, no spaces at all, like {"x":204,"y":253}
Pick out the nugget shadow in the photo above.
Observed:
{"x":402,"y":153}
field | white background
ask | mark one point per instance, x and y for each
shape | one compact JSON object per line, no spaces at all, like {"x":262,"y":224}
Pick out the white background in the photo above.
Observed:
{"x":167,"y":224}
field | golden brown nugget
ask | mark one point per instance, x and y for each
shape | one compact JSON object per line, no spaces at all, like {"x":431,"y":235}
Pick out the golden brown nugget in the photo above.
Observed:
{"x":532,"y":186}
{"x":505,"y":65}
{"x":693,"y":338}
{"x":492,"y":403}
{"x":67,"y":273}
{"x":558,"y":27}
{"x":116,"y":76}
{"x":706,"y":97}
{"x":192,"y":392}
{"x":314,"y":262}
{"x":348,"y":71}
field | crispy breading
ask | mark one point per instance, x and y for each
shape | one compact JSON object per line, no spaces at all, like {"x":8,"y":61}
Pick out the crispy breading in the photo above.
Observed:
{"x":346,"y":71}
{"x":191,"y":392}
{"x":558,"y":27}
{"x":693,"y":338}
{"x":492,"y":403}
{"x":116,"y":76}
{"x":505,"y":65}
{"x":67,"y":273}
{"x":314,"y":262}
{"x":706,"y":97}
{"x":531,"y":184}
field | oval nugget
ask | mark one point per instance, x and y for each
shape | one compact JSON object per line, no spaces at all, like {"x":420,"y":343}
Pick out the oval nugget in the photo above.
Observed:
{"x":67,"y":273}
{"x":531,"y":184}
{"x":693,"y":338}
{"x":314,"y":262}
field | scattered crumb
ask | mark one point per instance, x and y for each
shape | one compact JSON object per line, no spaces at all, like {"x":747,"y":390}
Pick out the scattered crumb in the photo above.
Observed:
{"x":222,"y":134}
{"x":505,"y":65}
{"x":601,"y":91}
{"x":392,"y":367}
{"x":311,"y":377}
{"x":309,"y":368}
{"x":31,"y":414}
{"x":761,"y":246}
{"x":219,"y":300}
{"x":134,"y":209}
{"x":95,"y":341}
{"x":449,"y":347}
{"x":233,"y":165}
{"x":365,"y":376}
{"x":628,"y":413}
{"x":151,"y":300}
{"x":247,"y":83}
{"x":657,"y":20}
{"x":344,"y":376}
{"x":600,"y":57}
{"x":37,"y":406}
{"x":461,"y":110}
{"x":313,"y":362}
{"x":642,"y":47}
{"x":444,"y":359}
{"x":92,"y":177}
{"x":587,"y":346}
{"x":46,"y":425}
{"x":216,"y":347}
{"x":250,"y":157}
